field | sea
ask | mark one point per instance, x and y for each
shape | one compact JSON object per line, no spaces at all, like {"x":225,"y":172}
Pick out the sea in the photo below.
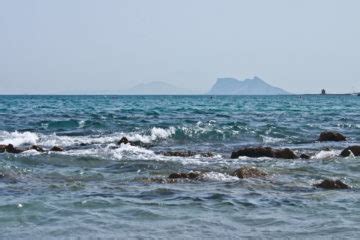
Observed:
{"x":99,"y":189}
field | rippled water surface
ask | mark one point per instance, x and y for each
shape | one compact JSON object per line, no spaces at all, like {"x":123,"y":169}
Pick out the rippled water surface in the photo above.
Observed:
{"x":96,"y":188}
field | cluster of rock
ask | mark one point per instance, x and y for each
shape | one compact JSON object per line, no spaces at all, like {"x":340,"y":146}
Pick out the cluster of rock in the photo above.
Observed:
{"x":243,"y":172}
{"x":286,"y":153}
{"x":252,"y":172}
{"x":256,"y":152}
{"x":11,"y":149}
{"x":187,"y":154}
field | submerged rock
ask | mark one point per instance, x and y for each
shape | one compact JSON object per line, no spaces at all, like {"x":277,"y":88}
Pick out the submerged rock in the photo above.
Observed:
{"x":304,"y":156}
{"x":285,"y":153}
{"x":191,"y":175}
{"x":187,"y":154}
{"x":248,"y":172}
{"x":264,"y":152}
{"x":10,"y":149}
{"x":179,"y":154}
{"x":331,"y":136}
{"x":37,"y":148}
{"x":159,"y":180}
{"x":124,"y":140}
{"x":355,"y":150}
{"x":332,"y":184}
{"x":56,"y":149}
{"x":2,"y":148}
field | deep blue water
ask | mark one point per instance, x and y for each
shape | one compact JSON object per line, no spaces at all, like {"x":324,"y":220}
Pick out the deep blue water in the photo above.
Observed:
{"x":97,"y":189}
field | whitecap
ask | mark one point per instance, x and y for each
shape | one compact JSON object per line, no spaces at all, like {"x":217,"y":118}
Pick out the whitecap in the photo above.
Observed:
{"x":268,"y":140}
{"x":155,"y":134}
{"x":326,"y":154}
{"x":82,"y":123}
{"x":221,"y":177}
{"x":17,"y":139}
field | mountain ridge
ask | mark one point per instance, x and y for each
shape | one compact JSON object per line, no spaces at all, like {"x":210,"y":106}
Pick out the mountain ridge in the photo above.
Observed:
{"x":253,"y":86}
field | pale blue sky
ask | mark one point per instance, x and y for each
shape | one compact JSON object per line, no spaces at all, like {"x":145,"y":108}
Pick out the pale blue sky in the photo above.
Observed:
{"x":69,"y":46}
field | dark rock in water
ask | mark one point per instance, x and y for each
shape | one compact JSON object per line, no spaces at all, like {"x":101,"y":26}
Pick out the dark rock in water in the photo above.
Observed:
{"x":248,"y":172}
{"x":56,"y":149}
{"x":304,"y":156}
{"x":332,"y":184}
{"x":11,"y":149}
{"x":207,"y":154}
{"x":285,"y":153}
{"x":191,"y":175}
{"x":254,"y":152}
{"x":159,"y":180}
{"x":264,"y":152}
{"x":351,"y":150}
{"x":7,"y":178}
{"x":187,"y":154}
{"x":179,"y":154}
{"x":37,"y":148}
{"x":2,"y":148}
{"x":331,"y":136}
{"x":123,"y":140}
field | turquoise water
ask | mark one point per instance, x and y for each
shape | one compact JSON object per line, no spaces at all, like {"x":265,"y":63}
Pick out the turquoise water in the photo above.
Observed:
{"x":97,"y":189}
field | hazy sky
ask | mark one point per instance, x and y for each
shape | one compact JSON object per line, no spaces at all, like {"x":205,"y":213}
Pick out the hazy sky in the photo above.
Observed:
{"x":86,"y":46}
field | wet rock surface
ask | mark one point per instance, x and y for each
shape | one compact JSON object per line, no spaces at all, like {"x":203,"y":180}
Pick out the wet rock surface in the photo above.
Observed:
{"x":248,"y":172}
{"x":191,"y":175}
{"x":332,"y":184}
{"x":304,"y":156}
{"x":56,"y":149}
{"x":186,"y":154}
{"x":10,"y":149}
{"x":2,"y":148}
{"x":125,"y":140}
{"x":355,"y":150}
{"x":37,"y":148}
{"x":264,"y":152}
{"x":331,"y":136}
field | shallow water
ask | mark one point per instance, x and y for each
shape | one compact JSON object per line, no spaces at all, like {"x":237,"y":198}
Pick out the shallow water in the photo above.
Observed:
{"x":96,"y":188}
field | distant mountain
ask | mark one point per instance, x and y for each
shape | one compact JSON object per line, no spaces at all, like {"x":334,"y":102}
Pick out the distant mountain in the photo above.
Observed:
{"x":156,"y":88}
{"x":254,"y":86}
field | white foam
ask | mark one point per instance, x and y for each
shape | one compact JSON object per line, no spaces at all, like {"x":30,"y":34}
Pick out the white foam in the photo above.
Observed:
{"x":31,"y":152}
{"x":126,"y":151}
{"x":215,"y":176}
{"x":18,"y":139}
{"x":267,"y":139}
{"x":326,"y":154}
{"x":155,"y":134}
{"x":122,"y":152}
{"x":65,"y":141}
{"x":49,"y":140}
{"x":82,"y":123}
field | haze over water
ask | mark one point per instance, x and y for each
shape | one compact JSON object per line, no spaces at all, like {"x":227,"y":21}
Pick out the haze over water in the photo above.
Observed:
{"x":96,"y":188}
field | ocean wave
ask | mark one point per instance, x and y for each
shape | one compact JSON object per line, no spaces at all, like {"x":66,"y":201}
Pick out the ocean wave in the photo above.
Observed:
{"x":155,"y":134}
{"x":17,"y":138}
{"x":48,"y":140}
{"x":122,"y":152}
{"x":270,"y":140}
{"x":326,"y":154}
{"x":221,"y":177}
